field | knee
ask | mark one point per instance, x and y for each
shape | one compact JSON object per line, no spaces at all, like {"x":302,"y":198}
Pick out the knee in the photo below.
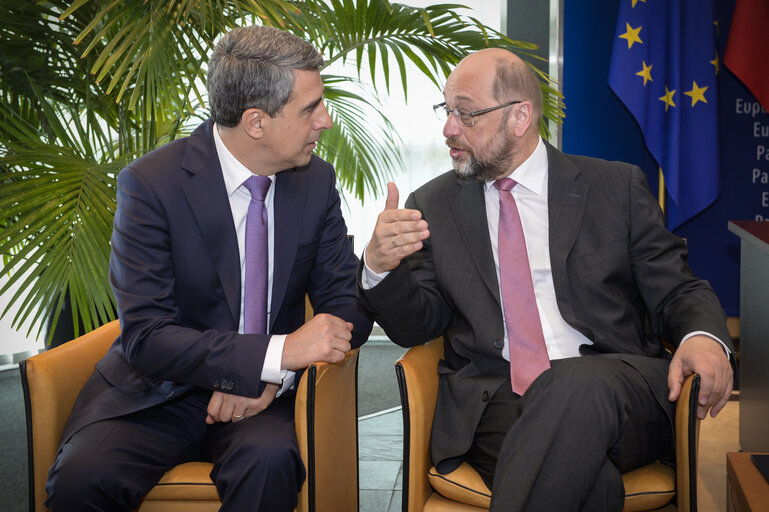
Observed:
{"x":271,"y":457}
{"x":70,"y":480}
{"x":80,"y":481}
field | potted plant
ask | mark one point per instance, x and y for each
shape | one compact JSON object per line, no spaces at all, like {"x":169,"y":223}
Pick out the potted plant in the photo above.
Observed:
{"x":90,"y":85}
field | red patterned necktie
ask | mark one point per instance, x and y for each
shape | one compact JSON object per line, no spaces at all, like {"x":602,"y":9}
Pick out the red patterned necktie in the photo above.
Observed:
{"x":255,"y":291}
{"x":528,"y":353}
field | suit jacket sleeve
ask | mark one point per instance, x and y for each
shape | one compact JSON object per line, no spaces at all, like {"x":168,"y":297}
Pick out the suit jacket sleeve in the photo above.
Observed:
{"x":677,"y":301}
{"x":408,"y":303}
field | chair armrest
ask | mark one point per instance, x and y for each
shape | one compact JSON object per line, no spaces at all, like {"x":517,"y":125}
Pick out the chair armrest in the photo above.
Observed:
{"x":687,"y":434}
{"x":417,"y":373}
{"x":326,"y":419}
{"x":51,"y":382}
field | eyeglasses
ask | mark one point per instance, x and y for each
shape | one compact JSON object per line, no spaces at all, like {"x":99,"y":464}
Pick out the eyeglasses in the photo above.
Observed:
{"x":466,"y":117}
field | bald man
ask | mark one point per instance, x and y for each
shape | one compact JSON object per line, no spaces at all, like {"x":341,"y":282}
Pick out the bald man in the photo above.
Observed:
{"x":553,"y":281}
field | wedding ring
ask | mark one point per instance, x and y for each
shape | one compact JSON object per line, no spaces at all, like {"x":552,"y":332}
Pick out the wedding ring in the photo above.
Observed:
{"x":238,"y":416}
{"x":393,"y":241}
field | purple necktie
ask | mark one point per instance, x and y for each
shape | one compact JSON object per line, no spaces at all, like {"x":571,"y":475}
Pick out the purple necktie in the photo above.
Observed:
{"x":528,"y":353}
{"x":255,"y":292}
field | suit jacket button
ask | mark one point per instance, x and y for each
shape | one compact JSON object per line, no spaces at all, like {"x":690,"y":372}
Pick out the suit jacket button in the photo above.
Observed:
{"x":216,"y":384}
{"x":485,"y":397}
{"x":499,"y":343}
{"x":230,"y":385}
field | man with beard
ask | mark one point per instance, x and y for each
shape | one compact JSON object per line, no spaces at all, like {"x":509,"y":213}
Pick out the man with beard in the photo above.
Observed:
{"x":553,"y":280}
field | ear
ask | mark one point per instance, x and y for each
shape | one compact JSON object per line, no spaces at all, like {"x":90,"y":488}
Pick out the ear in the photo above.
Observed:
{"x":251,"y":122}
{"x":522,"y":118}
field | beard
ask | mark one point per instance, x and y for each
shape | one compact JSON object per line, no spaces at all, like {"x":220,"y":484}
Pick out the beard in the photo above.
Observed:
{"x":486,"y":169}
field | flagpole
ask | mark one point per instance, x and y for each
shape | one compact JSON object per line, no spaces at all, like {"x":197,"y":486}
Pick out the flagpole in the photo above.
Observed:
{"x":661,"y":192}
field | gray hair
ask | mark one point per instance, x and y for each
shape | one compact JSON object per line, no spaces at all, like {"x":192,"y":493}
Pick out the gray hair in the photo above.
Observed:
{"x":515,"y":81}
{"x":252,"y":67}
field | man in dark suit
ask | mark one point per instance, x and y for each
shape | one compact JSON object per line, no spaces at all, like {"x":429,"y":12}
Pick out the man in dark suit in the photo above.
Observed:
{"x":189,"y":376}
{"x":553,"y":281}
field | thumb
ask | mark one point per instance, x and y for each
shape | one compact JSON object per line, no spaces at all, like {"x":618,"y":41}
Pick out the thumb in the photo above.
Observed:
{"x":392,"y":197}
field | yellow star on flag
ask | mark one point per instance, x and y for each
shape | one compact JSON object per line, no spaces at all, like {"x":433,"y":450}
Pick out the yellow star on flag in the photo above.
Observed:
{"x":668,"y":98}
{"x":631,"y":35}
{"x":646,"y":73}
{"x":636,"y":1}
{"x":697,"y":94}
{"x":716,"y":62}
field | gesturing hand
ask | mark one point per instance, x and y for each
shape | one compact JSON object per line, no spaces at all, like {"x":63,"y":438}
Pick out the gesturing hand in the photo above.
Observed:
{"x":324,"y":338}
{"x":397,"y":234}
{"x":223,"y":407}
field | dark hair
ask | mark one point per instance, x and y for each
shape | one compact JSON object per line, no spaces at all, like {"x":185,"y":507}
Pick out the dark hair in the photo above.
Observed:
{"x":253,"y":67}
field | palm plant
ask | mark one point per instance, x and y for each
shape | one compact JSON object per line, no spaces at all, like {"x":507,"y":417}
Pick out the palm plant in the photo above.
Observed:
{"x":89,"y":85}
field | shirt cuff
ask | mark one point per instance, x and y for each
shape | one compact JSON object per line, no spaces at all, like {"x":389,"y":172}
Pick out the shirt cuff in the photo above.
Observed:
{"x":271,"y":370}
{"x":369,"y":278}
{"x":716,"y":338}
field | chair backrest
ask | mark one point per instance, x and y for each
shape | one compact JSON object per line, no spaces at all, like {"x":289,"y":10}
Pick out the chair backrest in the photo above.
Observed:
{"x":688,"y":430}
{"x":51,"y":382}
{"x":326,"y":419}
{"x":418,"y":364}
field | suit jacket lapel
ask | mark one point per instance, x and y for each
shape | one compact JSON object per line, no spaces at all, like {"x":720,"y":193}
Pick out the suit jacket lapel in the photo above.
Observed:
{"x":289,"y":207}
{"x":566,"y":203}
{"x":207,"y":196}
{"x":469,"y":210}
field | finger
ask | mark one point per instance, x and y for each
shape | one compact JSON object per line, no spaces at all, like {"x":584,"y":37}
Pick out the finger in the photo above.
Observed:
{"x":719,"y":406}
{"x":391,"y":203}
{"x":350,"y":327}
{"x":214,"y":406}
{"x":409,"y":237}
{"x":390,"y":217}
{"x":675,"y":380}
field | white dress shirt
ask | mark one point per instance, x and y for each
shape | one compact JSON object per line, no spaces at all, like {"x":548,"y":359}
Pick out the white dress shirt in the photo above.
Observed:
{"x":530,"y":196}
{"x":235,"y":174}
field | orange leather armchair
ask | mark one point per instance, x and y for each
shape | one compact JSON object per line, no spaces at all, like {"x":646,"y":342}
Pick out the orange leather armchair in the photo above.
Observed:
{"x":325,"y":416}
{"x":425,"y":490}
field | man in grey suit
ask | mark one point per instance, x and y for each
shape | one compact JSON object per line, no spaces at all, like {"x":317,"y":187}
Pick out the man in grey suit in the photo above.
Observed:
{"x":552,"y":425}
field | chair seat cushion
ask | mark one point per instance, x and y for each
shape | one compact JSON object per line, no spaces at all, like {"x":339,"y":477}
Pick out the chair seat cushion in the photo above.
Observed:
{"x":649,"y":487}
{"x":464,"y":485}
{"x":646,"y":488}
{"x":189,"y":482}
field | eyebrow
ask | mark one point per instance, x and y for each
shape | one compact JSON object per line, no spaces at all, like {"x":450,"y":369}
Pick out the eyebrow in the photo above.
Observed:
{"x":312,"y":106}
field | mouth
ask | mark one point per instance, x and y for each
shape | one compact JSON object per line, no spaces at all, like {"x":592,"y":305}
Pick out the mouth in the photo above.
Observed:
{"x":456,"y":151}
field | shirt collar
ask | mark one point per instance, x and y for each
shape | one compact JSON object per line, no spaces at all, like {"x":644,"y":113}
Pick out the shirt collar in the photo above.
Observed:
{"x":532,"y":172}
{"x":234,"y":172}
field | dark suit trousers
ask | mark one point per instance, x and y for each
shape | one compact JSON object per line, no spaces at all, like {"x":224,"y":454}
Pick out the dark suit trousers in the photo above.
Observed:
{"x":564,"y":444}
{"x":110,"y":465}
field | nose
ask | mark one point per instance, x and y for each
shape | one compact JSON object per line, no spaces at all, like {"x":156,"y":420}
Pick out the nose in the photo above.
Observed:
{"x":451,"y":126}
{"x":324,"y":121}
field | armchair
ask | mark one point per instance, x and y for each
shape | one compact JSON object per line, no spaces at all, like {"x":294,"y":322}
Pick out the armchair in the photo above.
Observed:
{"x":325,"y":413}
{"x":651,"y":487}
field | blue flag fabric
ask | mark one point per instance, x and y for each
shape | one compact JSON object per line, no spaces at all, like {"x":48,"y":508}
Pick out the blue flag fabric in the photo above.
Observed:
{"x":663,"y":68}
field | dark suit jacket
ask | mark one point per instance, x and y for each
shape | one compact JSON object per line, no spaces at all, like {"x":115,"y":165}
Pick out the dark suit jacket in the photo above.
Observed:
{"x":175,"y":271}
{"x":620,"y":278}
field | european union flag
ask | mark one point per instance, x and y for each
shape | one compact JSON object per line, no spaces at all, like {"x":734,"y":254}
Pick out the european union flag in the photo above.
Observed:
{"x":663,"y":68}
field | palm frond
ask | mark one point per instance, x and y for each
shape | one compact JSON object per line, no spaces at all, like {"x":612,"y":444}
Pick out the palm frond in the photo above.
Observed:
{"x":361,"y":142}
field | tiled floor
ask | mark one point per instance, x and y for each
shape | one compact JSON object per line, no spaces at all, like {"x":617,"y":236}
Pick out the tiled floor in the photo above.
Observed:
{"x":381,"y":454}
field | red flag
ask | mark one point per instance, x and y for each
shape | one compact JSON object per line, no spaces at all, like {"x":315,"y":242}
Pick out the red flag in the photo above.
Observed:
{"x":746,"y":51}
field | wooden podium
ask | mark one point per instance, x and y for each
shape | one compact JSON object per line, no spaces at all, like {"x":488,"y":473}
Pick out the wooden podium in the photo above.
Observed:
{"x":754,"y":334}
